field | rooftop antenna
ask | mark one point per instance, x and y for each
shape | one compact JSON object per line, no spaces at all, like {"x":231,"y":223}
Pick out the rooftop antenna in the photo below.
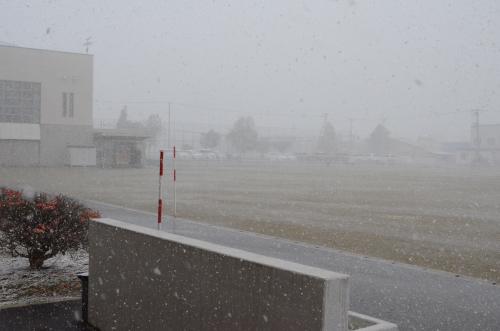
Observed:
{"x":87,"y":43}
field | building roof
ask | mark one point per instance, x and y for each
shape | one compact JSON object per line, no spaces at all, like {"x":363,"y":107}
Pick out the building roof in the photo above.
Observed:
{"x":9,"y":45}
{"x":122,"y":133}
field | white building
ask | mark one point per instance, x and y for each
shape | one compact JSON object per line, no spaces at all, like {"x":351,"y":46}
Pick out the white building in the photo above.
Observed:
{"x":45,"y":107}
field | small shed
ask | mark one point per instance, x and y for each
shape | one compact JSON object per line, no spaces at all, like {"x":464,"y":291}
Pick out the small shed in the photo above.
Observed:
{"x":81,"y":156}
{"x":120,"y":148}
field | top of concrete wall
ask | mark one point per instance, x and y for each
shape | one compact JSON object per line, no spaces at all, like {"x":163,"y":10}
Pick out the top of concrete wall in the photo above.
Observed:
{"x":232,"y":252}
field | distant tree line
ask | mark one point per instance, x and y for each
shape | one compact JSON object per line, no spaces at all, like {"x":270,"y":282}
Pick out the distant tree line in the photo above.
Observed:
{"x":153,"y":124}
{"x":243,"y":136}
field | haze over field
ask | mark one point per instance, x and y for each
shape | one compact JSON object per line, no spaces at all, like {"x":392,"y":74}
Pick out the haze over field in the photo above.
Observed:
{"x":283,"y":62}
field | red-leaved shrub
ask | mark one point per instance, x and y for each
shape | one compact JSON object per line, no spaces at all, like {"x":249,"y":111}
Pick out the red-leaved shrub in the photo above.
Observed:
{"x":42,"y":226}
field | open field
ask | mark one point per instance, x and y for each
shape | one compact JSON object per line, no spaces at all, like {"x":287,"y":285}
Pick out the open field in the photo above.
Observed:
{"x":446,"y":219}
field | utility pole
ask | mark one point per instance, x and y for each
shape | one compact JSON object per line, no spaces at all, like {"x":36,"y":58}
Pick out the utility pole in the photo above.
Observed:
{"x":383,"y":119}
{"x":477,"y":140}
{"x":351,"y":136}
{"x":325,"y":120}
{"x":168,"y":135}
{"x":182,"y":139}
{"x":325,"y":117}
{"x":174,"y":139}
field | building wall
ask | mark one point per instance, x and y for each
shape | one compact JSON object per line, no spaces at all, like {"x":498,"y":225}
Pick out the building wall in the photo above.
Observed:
{"x":19,"y":131}
{"x":81,"y":156}
{"x":54,"y":140}
{"x":48,"y":76}
{"x":19,"y":152}
{"x":489,"y":135}
{"x":57,"y":72}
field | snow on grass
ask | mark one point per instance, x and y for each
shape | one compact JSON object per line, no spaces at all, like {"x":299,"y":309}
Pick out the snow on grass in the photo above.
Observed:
{"x":56,"y":280}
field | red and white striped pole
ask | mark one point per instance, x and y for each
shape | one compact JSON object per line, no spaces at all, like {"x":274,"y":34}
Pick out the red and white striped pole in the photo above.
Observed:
{"x":175,"y":179}
{"x":160,"y":200}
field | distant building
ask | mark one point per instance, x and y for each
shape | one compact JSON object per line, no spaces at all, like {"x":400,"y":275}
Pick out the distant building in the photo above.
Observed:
{"x":45,"y":107}
{"x":488,"y":145}
{"x":489,"y":136}
{"x":395,"y":150}
{"x":485,"y":150}
{"x":459,"y":151}
{"x":120,"y":148}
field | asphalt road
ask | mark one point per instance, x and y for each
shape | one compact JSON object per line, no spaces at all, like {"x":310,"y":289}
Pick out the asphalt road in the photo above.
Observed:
{"x":412,"y":297}
{"x":57,"y":316}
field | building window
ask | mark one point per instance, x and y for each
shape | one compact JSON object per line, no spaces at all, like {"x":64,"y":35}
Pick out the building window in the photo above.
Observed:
{"x":71,"y":105}
{"x":20,"y":101}
{"x":491,"y":141}
{"x":68,"y":104}
{"x":64,"y":104}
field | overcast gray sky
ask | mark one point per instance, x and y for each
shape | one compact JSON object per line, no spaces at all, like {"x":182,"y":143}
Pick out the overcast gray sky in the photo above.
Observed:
{"x":285,"y":62}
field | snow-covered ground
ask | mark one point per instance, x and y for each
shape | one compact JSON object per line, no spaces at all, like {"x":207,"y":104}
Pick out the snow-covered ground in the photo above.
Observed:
{"x":56,"y":280}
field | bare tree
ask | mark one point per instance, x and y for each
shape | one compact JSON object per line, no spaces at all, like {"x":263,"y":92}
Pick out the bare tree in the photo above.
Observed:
{"x":124,"y":123}
{"x":327,"y":139}
{"x":210,"y":139}
{"x":379,"y":140}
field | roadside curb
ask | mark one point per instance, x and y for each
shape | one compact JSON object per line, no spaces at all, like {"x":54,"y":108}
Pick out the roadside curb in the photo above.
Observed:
{"x":36,"y":301}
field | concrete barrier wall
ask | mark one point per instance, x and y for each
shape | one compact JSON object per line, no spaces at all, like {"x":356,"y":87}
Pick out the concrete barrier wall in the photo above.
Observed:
{"x":143,"y":279}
